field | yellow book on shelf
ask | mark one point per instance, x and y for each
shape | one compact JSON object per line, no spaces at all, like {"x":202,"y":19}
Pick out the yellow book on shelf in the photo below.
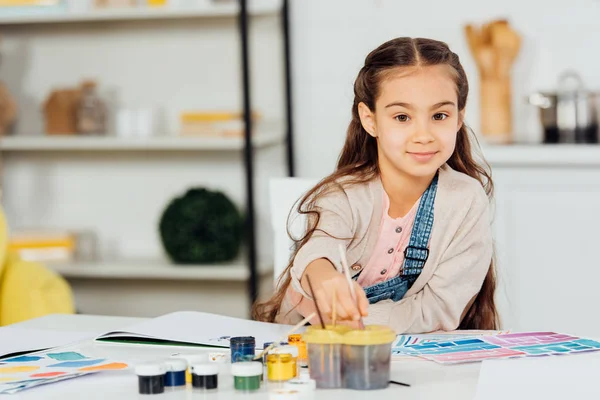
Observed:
{"x":42,"y":244}
{"x":191,"y":116}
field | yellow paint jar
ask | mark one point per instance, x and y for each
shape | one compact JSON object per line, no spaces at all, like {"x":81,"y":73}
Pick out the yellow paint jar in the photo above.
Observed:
{"x":296,"y":340}
{"x":280,"y":367}
{"x":292,"y":351}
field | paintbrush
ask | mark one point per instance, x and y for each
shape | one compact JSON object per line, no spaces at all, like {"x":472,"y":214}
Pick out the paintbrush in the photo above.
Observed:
{"x":349,"y":279}
{"x":310,"y":286}
{"x":291,"y":331}
{"x":400,"y":383}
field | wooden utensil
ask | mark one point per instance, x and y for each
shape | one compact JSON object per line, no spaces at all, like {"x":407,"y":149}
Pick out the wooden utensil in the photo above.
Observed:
{"x":494,"y":47}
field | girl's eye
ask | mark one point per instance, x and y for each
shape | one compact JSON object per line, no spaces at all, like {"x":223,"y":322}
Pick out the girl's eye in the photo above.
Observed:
{"x":440,"y":116}
{"x":401,"y":118}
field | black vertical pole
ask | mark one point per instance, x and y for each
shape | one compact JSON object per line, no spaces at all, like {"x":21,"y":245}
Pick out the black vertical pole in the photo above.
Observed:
{"x":248,"y":153}
{"x":288,"y":88}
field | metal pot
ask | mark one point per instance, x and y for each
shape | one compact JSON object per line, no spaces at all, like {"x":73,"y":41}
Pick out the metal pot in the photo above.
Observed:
{"x":570,"y":115}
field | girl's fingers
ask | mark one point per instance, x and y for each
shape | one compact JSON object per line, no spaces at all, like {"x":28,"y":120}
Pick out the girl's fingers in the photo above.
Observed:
{"x":348,"y":305}
{"x":363,"y":302}
{"x":321,"y":299}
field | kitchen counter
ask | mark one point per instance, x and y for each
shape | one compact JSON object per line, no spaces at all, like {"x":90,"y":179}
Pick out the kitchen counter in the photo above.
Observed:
{"x":542,"y":155}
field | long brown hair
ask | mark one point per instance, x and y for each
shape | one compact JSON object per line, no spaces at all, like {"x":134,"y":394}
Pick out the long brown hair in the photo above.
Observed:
{"x":358,"y":162}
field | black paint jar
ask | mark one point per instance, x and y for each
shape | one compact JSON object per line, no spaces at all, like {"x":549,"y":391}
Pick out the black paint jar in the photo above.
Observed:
{"x":151,"y":378}
{"x":205,"y":376}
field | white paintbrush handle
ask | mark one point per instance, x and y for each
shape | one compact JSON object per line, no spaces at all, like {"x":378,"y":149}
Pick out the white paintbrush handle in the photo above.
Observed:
{"x":346,"y":270}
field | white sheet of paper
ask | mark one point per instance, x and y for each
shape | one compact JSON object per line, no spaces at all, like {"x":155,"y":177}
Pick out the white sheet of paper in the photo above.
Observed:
{"x":16,"y":340}
{"x":555,"y":377}
{"x":202,"y":328}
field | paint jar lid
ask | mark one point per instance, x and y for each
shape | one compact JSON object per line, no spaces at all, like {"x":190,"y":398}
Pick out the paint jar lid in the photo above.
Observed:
{"x":252,"y":368}
{"x":371,"y":335}
{"x":301,"y":385}
{"x":287,"y":349}
{"x":284,"y":394}
{"x":205,"y":369}
{"x":150,"y":369}
{"x":219,"y":358}
{"x":279,"y":358}
{"x":193,"y":358}
{"x":295,"y":338}
{"x":323,"y":336}
{"x":241,"y":340}
{"x":176,"y":364}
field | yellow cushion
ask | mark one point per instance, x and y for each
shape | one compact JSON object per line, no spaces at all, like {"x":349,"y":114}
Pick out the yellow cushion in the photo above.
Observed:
{"x":3,"y":241}
{"x":30,"y":290}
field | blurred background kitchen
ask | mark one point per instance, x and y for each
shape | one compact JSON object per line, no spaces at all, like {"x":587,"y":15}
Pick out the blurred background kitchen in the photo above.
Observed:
{"x":127,"y":168}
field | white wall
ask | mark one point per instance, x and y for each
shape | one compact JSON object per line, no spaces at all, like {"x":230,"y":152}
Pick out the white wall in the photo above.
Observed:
{"x":332,"y":37}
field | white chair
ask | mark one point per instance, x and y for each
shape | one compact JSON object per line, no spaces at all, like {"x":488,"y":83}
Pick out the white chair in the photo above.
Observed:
{"x":284,"y":195}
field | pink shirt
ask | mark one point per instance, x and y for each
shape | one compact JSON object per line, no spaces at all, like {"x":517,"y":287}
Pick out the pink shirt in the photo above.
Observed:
{"x":386,"y":260}
{"x":388,"y":256}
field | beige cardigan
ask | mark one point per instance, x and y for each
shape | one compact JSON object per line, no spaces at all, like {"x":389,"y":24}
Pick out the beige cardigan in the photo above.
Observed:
{"x":459,"y":255}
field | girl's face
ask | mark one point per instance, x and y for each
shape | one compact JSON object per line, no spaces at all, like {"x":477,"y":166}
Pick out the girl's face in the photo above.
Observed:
{"x":416,"y":120}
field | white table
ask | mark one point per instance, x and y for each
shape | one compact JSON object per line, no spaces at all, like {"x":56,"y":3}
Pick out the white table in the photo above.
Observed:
{"x":428,"y":380}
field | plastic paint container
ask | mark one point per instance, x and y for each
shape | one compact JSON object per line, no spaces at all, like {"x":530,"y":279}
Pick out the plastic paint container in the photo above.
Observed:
{"x":241,"y":346}
{"x":291,"y":350}
{"x":366,"y":357}
{"x":246,"y":375}
{"x":151,"y":378}
{"x":176,"y":368}
{"x":205,"y":376}
{"x":296,"y":340}
{"x":280,"y":367}
{"x":192,"y":358}
{"x":325,"y":355}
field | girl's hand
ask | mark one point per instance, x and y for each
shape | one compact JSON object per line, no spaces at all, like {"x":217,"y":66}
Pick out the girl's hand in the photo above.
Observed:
{"x":327,"y":283}
{"x":347,"y":308}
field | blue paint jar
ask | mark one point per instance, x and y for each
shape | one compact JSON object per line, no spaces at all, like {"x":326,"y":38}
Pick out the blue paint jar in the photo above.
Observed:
{"x":176,"y":368}
{"x":241,"y":347}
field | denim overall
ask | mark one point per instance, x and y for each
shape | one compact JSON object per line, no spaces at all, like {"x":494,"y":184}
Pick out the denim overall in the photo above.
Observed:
{"x":415,"y":254}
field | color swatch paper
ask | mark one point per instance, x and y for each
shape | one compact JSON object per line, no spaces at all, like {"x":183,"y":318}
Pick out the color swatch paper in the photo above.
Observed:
{"x":471,"y":349}
{"x":24,"y":372}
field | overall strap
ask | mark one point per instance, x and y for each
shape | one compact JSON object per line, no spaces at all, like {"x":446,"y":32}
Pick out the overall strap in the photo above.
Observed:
{"x":417,"y":251}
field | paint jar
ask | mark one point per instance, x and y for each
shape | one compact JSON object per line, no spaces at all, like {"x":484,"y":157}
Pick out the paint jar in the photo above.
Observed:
{"x":205,"y":376}
{"x":246,"y":375}
{"x":366,"y":357}
{"x":192,"y":358}
{"x":291,"y":350}
{"x":151,"y":378}
{"x":241,"y":346}
{"x":176,"y":368}
{"x":325,"y":355}
{"x":280,"y":367}
{"x":296,"y":340}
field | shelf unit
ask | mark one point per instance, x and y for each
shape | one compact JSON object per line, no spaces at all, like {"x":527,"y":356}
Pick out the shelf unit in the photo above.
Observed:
{"x":254,"y":137}
{"x":89,"y":143}
{"x":153,"y":269}
{"x":225,"y":10}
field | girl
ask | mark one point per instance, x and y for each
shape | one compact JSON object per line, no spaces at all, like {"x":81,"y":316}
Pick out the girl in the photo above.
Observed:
{"x":407,"y":201}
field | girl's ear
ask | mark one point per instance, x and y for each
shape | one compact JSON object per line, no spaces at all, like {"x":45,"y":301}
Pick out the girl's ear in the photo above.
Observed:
{"x":367,"y":119}
{"x":461,"y":119}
